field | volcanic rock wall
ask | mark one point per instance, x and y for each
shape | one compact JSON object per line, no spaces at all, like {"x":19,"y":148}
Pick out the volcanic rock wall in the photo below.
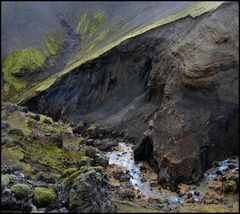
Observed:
{"x":178,"y":82}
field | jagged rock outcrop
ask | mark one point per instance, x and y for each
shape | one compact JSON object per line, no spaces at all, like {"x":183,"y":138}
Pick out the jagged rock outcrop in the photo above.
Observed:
{"x":183,"y":77}
{"x":89,"y":192}
{"x":198,"y":81}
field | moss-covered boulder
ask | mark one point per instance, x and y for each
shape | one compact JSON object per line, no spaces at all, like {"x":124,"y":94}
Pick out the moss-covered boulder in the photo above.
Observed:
{"x":230,"y":186}
{"x":89,"y":192}
{"x":44,"y":197}
{"x":86,"y":161}
{"x":7,"y":179}
{"x":68,"y":182}
{"x":69,"y":171}
{"x":21,"y":191}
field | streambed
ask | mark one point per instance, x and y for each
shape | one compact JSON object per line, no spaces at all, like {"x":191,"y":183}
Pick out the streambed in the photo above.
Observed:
{"x":122,"y":157}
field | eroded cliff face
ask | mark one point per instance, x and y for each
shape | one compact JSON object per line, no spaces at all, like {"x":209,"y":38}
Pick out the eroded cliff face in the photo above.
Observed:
{"x":174,"y":87}
{"x":198,"y":119}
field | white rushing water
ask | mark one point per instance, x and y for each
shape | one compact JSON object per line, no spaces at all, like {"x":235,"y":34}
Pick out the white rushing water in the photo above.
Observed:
{"x":223,"y":166}
{"x":123,"y":158}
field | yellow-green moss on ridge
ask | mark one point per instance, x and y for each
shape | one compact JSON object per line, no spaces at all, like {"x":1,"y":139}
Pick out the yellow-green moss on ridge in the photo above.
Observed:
{"x":96,"y":21}
{"x":27,"y":61}
{"x":53,"y":43}
{"x":88,"y":25}
{"x":98,"y":38}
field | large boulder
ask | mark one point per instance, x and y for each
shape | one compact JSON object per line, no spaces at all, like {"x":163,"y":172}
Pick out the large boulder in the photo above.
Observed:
{"x":16,"y":198}
{"x":21,"y":191}
{"x":89,"y":193}
{"x":44,"y":197}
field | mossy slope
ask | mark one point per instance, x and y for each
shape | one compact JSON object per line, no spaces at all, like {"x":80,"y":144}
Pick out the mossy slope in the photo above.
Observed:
{"x":36,"y":148}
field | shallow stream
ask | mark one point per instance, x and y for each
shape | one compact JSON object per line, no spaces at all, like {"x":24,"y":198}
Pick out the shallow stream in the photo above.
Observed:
{"x":122,"y":157}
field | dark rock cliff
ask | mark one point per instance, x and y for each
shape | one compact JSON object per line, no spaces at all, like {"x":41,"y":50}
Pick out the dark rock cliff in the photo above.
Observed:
{"x":178,"y":82}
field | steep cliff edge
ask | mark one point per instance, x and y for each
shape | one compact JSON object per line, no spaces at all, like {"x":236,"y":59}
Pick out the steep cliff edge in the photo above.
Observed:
{"x":179,"y":80}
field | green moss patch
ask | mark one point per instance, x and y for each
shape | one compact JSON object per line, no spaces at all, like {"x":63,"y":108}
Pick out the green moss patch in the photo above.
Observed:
{"x":18,"y":120}
{"x":230,"y":186}
{"x":46,"y":154}
{"x":19,"y":63}
{"x":69,"y":171}
{"x":83,"y":24}
{"x":44,"y":197}
{"x":92,"y":127}
{"x":6,"y":179}
{"x":98,"y":39}
{"x":88,"y":24}
{"x":54,"y":43}
{"x":21,"y":191}
{"x":11,"y":155}
{"x":68,"y":182}
{"x":96,"y":21}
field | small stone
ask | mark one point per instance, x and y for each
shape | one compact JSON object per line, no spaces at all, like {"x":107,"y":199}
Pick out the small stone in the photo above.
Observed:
{"x":89,"y":142}
{"x":153,"y":184}
{"x":47,"y":121}
{"x":180,"y":194}
{"x":218,"y":188}
{"x":18,"y":132}
{"x":35,"y":170}
{"x":21,"y":175}
{"x":101,"y":160}
{"x":223,"y":179}
{"x":5,"y":125}
{"x":85,"y":161}
{"x":189,"y":200}
{"x":196,"y":193}
{"x":35,"y":117}
{"x":219,"y":172}
{"x":80,"y":128}
{"x":24,"y":109}
{"x":143,"y":180}
{"x":189,"y":195}
{"x":142,"y":168}
{"x":231,"y":166}
{"x":91,"y":151}
{"x":47,"y":134}
{"x":57,"y":140}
